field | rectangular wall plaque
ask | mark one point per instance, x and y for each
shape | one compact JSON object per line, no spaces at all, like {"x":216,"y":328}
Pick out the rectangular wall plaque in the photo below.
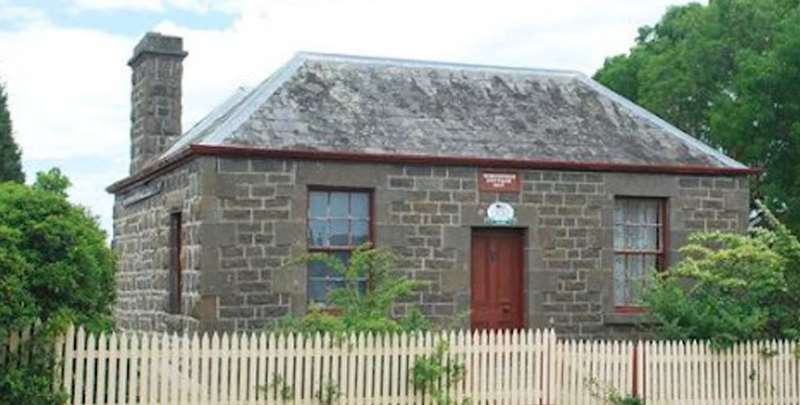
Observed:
{"x":142,"y":193}
{"x":499,"y":181}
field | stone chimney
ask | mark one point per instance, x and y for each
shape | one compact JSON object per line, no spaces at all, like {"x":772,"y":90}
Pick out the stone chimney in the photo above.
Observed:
{"x":157,"y":65}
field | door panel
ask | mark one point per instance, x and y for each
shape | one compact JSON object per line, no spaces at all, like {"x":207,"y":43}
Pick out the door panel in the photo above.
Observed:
{"x":497,"y":284}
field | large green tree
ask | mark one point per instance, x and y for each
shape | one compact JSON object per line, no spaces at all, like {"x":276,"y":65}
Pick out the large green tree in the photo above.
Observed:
{"x":728,"y":74}
{"x":10,"y":166}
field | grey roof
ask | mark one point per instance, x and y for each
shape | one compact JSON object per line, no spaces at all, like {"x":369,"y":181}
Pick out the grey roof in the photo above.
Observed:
{"x":343,"y":103}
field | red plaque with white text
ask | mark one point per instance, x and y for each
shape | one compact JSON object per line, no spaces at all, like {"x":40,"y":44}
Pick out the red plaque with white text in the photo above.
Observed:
{"x":499,"y":181}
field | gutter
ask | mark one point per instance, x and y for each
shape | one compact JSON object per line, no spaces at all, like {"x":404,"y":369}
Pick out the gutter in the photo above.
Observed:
{"x":248,"y":152}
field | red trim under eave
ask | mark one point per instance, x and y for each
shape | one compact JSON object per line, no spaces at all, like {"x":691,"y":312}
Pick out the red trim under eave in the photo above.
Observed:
{"x":239,"y":151}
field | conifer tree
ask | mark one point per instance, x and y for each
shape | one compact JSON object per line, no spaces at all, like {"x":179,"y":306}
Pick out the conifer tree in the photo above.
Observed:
{"x":10,"y":163}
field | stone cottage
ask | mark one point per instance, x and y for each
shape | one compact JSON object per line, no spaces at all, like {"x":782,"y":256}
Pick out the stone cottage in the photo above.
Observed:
{"x":525,"y":197}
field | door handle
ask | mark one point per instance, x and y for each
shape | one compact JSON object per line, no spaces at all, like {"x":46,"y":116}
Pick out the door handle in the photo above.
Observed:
{"x":506,"y":308}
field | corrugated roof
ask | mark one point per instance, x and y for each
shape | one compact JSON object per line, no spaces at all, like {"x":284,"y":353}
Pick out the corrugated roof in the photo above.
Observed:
{"x":346,"y":103}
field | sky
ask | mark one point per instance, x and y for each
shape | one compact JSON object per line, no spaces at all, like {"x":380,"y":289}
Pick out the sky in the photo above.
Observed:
{"x":63,"y":62}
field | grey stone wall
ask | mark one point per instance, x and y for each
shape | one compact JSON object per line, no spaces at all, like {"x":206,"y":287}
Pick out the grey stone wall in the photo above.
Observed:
{"x":141,"y":241}
{"x":250,"y":218}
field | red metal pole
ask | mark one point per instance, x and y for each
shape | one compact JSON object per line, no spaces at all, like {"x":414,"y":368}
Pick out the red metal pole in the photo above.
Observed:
{"x":635,"y":369}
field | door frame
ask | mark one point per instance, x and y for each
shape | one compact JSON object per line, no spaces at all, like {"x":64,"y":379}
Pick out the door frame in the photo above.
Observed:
{"x":522,"y":234}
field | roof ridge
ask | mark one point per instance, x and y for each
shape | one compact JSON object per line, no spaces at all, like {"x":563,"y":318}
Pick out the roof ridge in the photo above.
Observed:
{"x":376,"y":60}
{"x":197,"y":130}
{"x":259,"y":95}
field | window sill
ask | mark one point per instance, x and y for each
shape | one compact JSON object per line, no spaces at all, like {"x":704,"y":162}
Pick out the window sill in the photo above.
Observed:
{"x":621,"y":318}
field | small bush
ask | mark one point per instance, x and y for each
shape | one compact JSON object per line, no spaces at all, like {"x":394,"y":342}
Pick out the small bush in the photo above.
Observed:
{"x":435,"y":375}
{"x":357,"y":309}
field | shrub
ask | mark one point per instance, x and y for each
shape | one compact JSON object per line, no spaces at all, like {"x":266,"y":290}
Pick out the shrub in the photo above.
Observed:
{"x":357,"y":309}
{"x":731,"y":287}
{"x":55,"y":266}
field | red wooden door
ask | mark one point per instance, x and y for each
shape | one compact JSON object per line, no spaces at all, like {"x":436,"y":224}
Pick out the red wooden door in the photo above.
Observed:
{"x":497,"y":279}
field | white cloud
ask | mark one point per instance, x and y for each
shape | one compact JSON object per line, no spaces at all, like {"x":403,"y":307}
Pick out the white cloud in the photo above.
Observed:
{"x":69,"y":88}
{"x":150,"y":5}
{"x":197,"y":6}
{"x":20,"y":14}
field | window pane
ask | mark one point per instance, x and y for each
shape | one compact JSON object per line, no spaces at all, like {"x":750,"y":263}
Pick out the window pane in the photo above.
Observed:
{"x":340,"y":232}
{"x":631,"y":237}
{"x":641,"y":229}
{"x":339,"y":205}
{"x":619,"y":212}
{"x":319,"y":269}
{"x":650,"y":265}
{"x":359,"y":205}
{"x":317,"y":204}
{"x":343,"y":256}
{"x":317,"y":290}
{"x":630,"y":211}
{"x":360,"y":232}
{"x":619,"y":280}
{"x":641,"y":212}
{"x":643,"y":241}
{"x":635,"y":267}
{"x":651,"y":212}
{"x":322,"y":278}
{"x":619,"y":236}
{"x":650,"y":238}
{"x":318,"y":233}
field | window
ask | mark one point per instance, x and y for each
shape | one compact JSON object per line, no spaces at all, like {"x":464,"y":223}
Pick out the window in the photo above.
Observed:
{"x":638,"y":247}
{"x":338,"y":222}
{"x":175,"y":282}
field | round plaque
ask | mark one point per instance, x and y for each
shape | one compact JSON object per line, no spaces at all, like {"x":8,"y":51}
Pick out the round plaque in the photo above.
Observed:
{"x":500,"y":213}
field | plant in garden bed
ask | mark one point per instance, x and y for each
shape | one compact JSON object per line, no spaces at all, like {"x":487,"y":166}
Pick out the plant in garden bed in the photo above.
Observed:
{"x":357,"y":308}
{"x":731,"y":288}
{"x":609,"y":394}
{"x":436,"y":374}
{"x":368,"y":309}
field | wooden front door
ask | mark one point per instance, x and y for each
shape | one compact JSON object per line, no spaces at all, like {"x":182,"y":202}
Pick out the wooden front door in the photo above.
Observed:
{"x":497,"y":284}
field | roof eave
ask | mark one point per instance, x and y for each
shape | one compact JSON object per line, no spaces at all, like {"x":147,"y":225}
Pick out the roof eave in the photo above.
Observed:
{"x":151,"y":170}
{"x":244,"y":151}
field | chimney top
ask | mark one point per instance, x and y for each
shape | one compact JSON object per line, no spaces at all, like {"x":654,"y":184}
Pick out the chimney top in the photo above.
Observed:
{"x":154,"y":43}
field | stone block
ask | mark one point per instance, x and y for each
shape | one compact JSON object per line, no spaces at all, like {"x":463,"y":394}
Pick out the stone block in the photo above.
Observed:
{"x":455,"y":280}
{"x":289,"y":280}
{"x":644,"y":185}
{"x":268,"y":165}
{"x":217,"y":234}
{"x":290,"y":233}
{"x":233,"y":165}
{"x":206,"y":307}
{"x":392,"y":235}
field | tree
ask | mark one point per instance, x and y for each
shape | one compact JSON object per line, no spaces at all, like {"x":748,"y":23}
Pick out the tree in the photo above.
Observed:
{"x":55,"y":266}
{"x":10,"y":166}
{"x":53,"y":257}
{"x":726,"y":73}
{"x":731,"y":287}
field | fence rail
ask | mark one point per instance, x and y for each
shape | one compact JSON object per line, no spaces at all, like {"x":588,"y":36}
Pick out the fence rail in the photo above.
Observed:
{"x":517,"y":367}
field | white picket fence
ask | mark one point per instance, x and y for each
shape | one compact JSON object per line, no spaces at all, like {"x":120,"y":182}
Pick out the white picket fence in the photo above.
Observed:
{"x":517,"y":367}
